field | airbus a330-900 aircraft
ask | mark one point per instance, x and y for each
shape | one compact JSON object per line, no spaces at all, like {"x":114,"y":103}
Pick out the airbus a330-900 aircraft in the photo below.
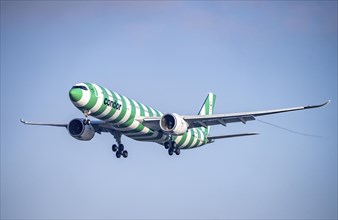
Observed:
{"x":120,"y":115}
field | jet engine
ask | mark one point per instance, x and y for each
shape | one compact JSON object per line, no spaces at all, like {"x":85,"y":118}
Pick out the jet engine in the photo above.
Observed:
{"x":79,"y":130}
{"x":173,"y":124}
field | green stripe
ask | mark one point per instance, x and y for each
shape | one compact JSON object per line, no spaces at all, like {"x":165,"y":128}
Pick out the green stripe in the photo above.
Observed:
{"x":183,"y":139}
{"x":123,"y":110}
{"x":142,"y":113}
{"x":206,"y":106}
{"x":191,"y":141}
{"x":138,"y":129}
{"x":157,"y":113}
{"x":131,"y":116}
{"x":103,"y":106}
{"x":112,"y":110}
{"x":93,"y":98}
{"x":188,"y":134}
{"x":149,"y":111}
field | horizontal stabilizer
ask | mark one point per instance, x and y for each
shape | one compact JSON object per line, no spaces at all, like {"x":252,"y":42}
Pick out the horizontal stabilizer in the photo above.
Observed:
{"x":213,"y":138}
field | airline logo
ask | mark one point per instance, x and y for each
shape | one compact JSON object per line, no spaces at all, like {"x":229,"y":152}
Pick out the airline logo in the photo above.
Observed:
{"x":113,"y":104}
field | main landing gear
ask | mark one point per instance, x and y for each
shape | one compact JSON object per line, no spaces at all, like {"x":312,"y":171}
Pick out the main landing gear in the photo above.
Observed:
{"x":119,"y":148}
{"x":172,"y":148}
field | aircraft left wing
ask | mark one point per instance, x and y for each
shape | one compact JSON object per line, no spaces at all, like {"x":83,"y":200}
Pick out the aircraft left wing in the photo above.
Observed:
{"x":99,"y":126}
{"x":43,"y":124}
{"x":224,"y":119}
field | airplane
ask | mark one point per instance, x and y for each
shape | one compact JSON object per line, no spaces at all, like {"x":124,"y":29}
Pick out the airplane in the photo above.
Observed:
{"x":120,"y":115}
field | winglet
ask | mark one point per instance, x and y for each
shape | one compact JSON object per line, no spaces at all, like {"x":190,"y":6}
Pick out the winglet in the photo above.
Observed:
{"x":317,"y":106}
{"x":23,"y":121}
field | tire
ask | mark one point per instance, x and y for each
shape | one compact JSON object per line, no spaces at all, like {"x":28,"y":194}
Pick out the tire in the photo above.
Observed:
{"x":121,"y":147}
{"x":173,"y":144}
{"x":118,"y":154}
{"x":125,"y":154}
{"x":177,"y":151}
{"x":166,"y":145}
{"x":114,"y":148}
{"x":171,"y":151}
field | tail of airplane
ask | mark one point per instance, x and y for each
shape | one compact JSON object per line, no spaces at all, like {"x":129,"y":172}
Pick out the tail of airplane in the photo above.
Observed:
{"x":208,"y":109}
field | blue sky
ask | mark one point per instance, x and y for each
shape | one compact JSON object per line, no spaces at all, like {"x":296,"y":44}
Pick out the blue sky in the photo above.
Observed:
{"x":254,"y":55}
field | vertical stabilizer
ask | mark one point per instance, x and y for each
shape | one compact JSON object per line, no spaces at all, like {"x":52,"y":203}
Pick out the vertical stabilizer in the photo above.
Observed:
{"x":208,"y":109}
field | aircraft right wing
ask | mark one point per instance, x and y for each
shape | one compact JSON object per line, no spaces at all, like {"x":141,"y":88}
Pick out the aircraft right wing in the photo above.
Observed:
{"x":209,"y":120}
{"x":223,"y":119}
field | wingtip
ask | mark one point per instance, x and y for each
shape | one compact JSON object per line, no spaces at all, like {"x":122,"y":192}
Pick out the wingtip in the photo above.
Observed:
{"x":22,"y":121}
{"x":317,"y":106}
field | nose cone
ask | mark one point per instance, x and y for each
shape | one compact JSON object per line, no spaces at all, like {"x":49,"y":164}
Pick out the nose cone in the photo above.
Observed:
{"x":75,"y":94}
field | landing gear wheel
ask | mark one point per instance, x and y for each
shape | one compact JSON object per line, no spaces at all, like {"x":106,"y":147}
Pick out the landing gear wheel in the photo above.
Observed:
{"x":166,"y":145}
{"x":171,"y":151}
{"x":86,"y":122}
{"x":118,"y":154}
{"x":173,"y":144}
{"x":177,"y":151}
{"x":114,"y":148}
{"x":121,"y":147}
{"x":125,"y":154}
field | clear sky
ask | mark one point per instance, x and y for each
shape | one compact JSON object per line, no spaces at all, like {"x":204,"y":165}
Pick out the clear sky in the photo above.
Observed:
{"x":255,"y":55}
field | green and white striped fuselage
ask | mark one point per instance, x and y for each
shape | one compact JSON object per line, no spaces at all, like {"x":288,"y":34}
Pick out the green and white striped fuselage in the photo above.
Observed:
{"x":122,"y":113}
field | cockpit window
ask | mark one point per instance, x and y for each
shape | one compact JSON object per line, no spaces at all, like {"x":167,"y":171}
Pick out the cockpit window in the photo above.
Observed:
{"x":80,"y":87}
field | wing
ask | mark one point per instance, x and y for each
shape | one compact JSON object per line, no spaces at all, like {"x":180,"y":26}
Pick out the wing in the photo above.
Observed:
{"x":213,"y":138}
{"x":43,"y":124}
{"x":223,"y":119}
{"x":99,"y":126}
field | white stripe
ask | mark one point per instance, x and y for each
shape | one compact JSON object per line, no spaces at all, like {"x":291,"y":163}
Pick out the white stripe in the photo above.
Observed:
{"x":128,"y":111}
{"x":133,"y":126}
{"x":107,"y":110}
{"x":202,"y":135}
{"x":154,"y":113}
{"x":203,"y":110}
{"x":178,"y":139}
{"x":187,"y":140}
{"x":145,"y":130}
{"x":211,"y":97}
{"x":194,"y":141}
{"x":117,"y":112}
{"x":137,"y":113}
{"x":146,"y":113}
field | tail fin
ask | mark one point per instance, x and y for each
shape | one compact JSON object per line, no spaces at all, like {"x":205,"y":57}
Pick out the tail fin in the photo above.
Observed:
{"x":208,"y":109}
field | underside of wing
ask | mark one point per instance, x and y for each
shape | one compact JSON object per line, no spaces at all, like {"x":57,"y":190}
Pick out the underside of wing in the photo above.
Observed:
{"x":213,"y":138}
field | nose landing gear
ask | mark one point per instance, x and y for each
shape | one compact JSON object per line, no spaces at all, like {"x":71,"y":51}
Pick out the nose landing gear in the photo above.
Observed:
{"x":86,"y":114}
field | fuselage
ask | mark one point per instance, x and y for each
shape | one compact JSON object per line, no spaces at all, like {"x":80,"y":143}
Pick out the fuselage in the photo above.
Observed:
{"x":122,"y":113}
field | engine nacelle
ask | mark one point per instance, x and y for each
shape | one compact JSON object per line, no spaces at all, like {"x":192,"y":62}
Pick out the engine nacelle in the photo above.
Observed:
{"x":173,"y":124}
{"x":78,"y":130}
